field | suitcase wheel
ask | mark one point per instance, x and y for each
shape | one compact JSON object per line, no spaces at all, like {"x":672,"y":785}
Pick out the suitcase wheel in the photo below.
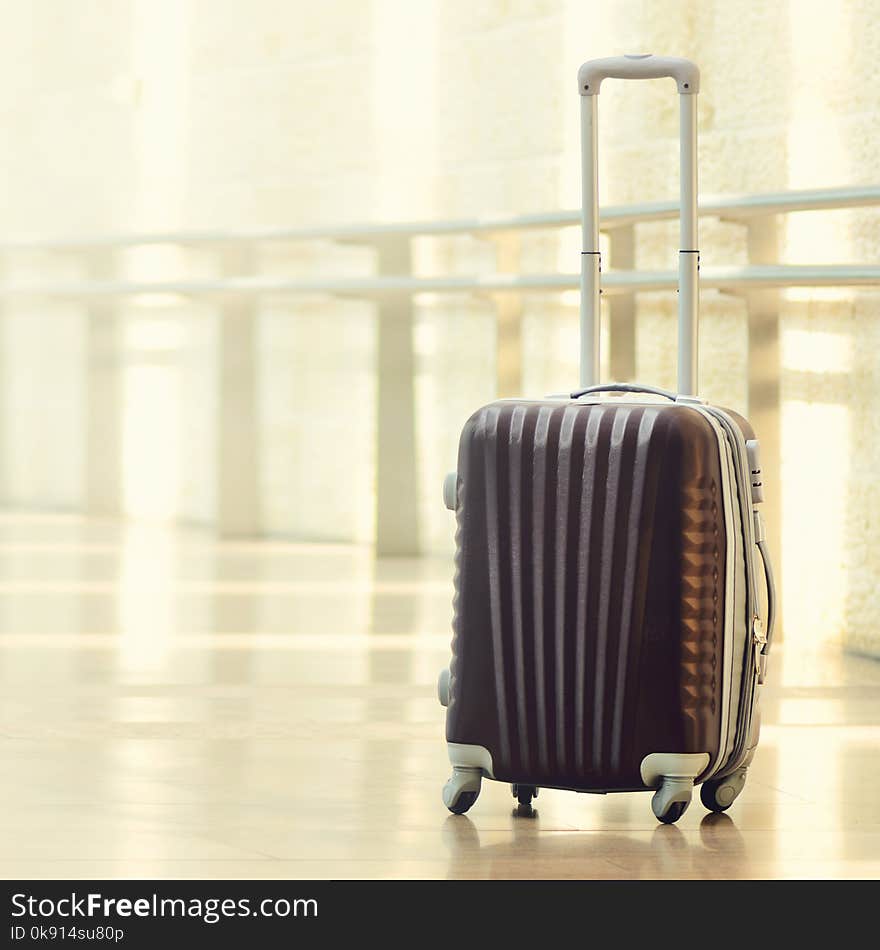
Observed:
{"x":524,"y":794}
{"x":671,"y":800}
{"x":673,"y":813}
{"x":463,"y":803}
{"x":462,"y":789}
{"x":719,"y":794}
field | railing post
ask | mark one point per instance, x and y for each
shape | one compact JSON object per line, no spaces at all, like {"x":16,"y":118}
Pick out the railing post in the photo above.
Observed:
{"x":508,"y":319}
{"x":104,"y":403}
{"x":764,"y":393}
{"x":622,"y":308}
{"x":238,"y":445}
{"x":397,"y":531}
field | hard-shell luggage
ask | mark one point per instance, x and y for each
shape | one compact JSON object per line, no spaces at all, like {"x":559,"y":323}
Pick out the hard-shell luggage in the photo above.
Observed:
{"x":608,"y":632}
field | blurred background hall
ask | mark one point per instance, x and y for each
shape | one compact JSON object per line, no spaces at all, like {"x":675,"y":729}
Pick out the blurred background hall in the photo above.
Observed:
{"x":233,"y":373}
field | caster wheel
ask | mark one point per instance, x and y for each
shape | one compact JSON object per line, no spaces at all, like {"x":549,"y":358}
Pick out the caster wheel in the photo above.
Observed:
{"x":673,"y":813}
{"x":671,"y":800}
{"x":719,"y":795}
{"x":464,"y":802}
{"x":462,"y":789}
{"x":524,"y":794}
{"x":708,"y":796}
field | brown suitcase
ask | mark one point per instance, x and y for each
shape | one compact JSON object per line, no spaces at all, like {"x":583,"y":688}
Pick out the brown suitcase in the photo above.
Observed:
{"x":607,"y":631}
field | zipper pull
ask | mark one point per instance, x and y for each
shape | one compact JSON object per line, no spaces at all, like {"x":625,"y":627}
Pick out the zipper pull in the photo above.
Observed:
{"x":759,"y":635}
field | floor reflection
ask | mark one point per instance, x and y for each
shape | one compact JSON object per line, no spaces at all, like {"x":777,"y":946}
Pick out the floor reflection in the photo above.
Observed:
{"x":172,"y":705}
{"x":531,"y":851}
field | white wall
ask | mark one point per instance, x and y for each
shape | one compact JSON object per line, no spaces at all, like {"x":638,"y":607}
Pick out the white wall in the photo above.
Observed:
{"x":133,"y":114}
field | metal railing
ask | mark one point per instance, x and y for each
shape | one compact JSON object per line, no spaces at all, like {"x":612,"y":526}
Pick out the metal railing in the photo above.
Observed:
{"x":394,"y":288}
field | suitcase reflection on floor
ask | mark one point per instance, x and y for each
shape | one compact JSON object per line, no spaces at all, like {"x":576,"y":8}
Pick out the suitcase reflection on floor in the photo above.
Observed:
{"x":667,"y":851}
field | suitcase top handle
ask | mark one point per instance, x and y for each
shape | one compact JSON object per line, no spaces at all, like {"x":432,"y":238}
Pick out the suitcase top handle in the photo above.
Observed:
{"x":639,"y":66}
{"x":623,"y":388}
{"x":687,"y":77}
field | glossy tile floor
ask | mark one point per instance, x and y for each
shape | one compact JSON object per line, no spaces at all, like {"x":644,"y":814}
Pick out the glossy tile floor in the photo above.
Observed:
{"x":171,"y":706}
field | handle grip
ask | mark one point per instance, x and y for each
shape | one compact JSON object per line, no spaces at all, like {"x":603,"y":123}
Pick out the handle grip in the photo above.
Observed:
{"x":639,"y":66}
{"x":623,"y":388}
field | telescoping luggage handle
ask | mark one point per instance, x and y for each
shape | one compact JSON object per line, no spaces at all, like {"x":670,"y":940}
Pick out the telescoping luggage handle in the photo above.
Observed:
{"x":687,"y":77}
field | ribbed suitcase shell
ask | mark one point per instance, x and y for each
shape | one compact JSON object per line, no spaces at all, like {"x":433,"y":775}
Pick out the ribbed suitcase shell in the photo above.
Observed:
{"x":589,"y":590}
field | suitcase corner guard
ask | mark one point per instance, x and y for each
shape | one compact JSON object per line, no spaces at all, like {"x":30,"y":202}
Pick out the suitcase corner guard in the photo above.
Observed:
{"x":469,"y":764}
{"x":466,"y":756}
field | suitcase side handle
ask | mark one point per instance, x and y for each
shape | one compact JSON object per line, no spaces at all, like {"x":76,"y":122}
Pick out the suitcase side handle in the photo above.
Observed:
{"x":687,"y":77}
{"x":623,"y":388}
{"x":639,"y":66}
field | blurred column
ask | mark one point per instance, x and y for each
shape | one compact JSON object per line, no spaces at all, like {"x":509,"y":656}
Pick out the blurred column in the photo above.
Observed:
{"x":401,"y":93}
{"x":764,"y":394}
{"x":509,"y":319}
{"x":5,"y":446}
{"x":397,"y":532}
{"x":238,"y":456}
{"x":622,"y":309}
{"x":104,"y":397}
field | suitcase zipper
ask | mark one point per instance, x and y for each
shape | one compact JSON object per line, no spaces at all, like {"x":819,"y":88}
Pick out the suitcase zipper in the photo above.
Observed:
{"x":756,"y":638}
{"x":731,"y":503}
